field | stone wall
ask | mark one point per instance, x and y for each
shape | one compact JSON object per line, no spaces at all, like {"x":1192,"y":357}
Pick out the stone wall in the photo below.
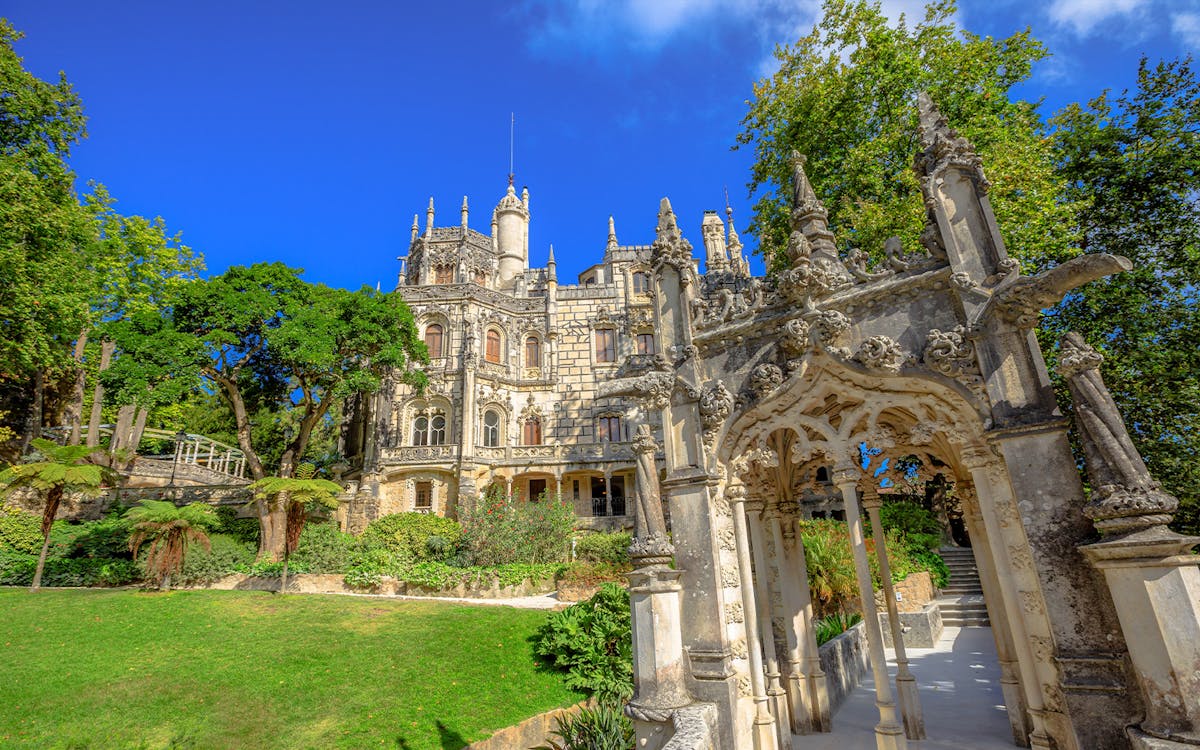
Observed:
{"x":532,"y":732}
{"x":844,"y":661}
{"x":915,"y":592}
{"x":314,"y":583}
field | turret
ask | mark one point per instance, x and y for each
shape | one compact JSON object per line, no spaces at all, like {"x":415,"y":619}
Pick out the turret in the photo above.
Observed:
{"x":464,"y":214}
{"x":712,"y":229}
{"x":511,"y":219}
{"x":416,"y":229}
{"x":736,"y":259}
{"x":612,"y":237}
{"x":429,"y":218}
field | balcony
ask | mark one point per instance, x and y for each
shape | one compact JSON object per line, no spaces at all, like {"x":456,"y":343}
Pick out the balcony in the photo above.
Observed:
{"x":577,"y":452}
{"x":419,"y":454}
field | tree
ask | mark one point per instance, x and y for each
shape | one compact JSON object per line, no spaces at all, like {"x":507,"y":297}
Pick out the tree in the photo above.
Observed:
{"x":1132,"y":162}
{"x":61,"y":470}
{"x":170,"y":530}
{"x":262,"y":338}
{"x":845,"y":97}
{"x":293,"y":497}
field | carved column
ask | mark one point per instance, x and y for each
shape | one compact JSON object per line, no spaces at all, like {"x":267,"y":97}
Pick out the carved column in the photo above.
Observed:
{"x":797,"y":624}
{"x":764,"y":731}
{"x":818,"y":687}
{"x":889,"y":735}
{"x":608,"y":493}
{"x":906,"y":684}
{"x":776,"y":695}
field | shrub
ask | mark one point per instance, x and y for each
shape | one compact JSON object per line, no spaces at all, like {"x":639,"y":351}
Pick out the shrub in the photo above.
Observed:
{"x":20,"y":531}
{"x":830,"y":562}
{"x":604,"y":727}
{"x":17,"y":570}
{"x":592,"y":642}
{"x":834,"y":625}
{"x":602,"y":547}
{"x":226,"y":555}
{"x":241,"y":529}
{"x":408,"y":535}
{"x":362,"y":578}
{"x":909,"y":518}
{"x":499,"y":530}
{"x":594,"y":573}
{"x":108,"y":537}
{"x":323,"y":548}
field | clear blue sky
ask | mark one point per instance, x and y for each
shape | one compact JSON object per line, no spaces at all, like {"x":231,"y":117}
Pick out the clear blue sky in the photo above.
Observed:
{"x":312,"y":132}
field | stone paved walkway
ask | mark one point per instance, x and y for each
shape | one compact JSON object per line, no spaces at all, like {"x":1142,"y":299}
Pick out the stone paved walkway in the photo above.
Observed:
{"x":959,"y":683}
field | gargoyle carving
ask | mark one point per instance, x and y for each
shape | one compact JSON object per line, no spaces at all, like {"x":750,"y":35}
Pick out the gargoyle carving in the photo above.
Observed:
{"x":1020,"y":302}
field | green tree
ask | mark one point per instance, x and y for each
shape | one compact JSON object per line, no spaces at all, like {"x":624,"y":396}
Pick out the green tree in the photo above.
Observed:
{"x":292,"y":497}
{"x":55,"y":471}
{"x":1132,"y":161}
{"x":262,"y":338}
{"x":845,"y":96}
{"x":170,"y":530}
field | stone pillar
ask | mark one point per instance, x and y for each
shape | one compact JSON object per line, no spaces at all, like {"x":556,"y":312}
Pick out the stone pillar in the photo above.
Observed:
{"x":658,"y":660}
{"x":889,"y":735}
{"x":608,"y":493}
{"x":906,"y":684}
{"x":776,"y":695}
{"x":818,"y":687}
{"x":796,"y":626}
{"x":1006,"y":654}
{"x":763,"y":730}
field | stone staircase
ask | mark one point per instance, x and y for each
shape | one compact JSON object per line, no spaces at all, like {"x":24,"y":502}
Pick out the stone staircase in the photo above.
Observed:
{"x":961,"y":602}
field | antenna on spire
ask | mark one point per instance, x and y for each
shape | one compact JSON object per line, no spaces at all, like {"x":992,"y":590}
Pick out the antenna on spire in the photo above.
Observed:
{"x":727,"y":206}
{"x":512,"y":129}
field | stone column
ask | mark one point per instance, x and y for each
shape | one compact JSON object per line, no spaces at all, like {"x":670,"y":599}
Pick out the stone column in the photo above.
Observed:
{"x":796,"y":627}
{"x":818,"y":687}
{"x":763,"y":730}
{"x":776,"y":695}
{"x":976,"y":461}
{"x":906,"y":684}
{"x":1010,"y":683}
{"x":889,"y":735}
{"x":608,"y":493}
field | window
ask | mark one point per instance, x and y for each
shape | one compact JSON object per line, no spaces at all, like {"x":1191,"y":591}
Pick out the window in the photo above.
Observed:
{"x":608,"y":429}
{"x":491,"y":429}
{"x":537,"y":487}
{"x":421,"y":431}
{"x":480,"y":278}
{"x":606,"y":345}
{"x":423,"y":496}
{"x":437,"y":430}
{"x":641,"y":282}
{"x":433,"y":340}
{"x":576,"y":489}
{"x":533,"y":352}
{"x":645,"y":343}
{"x":491,"y":351}
{"x":589,"y":281}
{"x":531,"y":434}
{"x":443,"y":275}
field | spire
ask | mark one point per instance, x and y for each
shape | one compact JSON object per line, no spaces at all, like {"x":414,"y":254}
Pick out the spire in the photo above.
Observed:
{"x":668,"y":228}
{"x":944,"y":147}
{"x":808,"y":213}
{"x":464,"y":212}
{"x":429,"y":218}
{"x":803,"y":195}
{"x":612,"y":235}
{"x":551,"y":267}
{"x":734,"y":242}
{"x":416,"y":229}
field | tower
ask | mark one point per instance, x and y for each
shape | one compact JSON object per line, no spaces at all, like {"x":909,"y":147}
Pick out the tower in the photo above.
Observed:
{"x":511,"y":219}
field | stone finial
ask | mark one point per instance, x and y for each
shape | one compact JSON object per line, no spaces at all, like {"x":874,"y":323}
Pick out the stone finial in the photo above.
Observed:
{"x":943,"y":148}
{"x":464,"y":212}
{"x":668,"y":227}
{"x":429,"y":217}
{"x":1124,"y":496}
{"x":803,"y":195}
{"x":416,"y":229}
{"x":669,"y":245}
{"x":612,"y":235}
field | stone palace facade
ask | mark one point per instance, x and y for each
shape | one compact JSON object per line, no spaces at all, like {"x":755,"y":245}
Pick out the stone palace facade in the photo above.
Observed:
{"x":516,"y":363}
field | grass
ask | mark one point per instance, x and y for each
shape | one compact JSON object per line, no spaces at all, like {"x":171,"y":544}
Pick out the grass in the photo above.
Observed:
{"x":91,"y":669}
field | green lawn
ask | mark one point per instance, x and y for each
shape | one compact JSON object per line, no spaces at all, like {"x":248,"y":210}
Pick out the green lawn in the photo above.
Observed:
{"x":227,"y":669}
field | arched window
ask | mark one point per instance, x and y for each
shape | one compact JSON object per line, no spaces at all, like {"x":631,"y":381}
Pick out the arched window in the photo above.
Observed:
{"x":606,"y":345}
{"x":491,"y":350}
{"x":641,"y":282}
{"x":443,"y":275}
{"x":533,"y":352}
{"x":433,"y":340}
{"x":437,"y":430}
{"x":531,"y":434}
{"x":645,"y":343}
{"x":491,"y":429}
{"x":608,"y":429}
{"x":421,"y":431}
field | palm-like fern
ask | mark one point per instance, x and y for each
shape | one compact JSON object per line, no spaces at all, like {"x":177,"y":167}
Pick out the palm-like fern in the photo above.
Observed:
{"x":169,"y":530}
{"x":296,"y":494}
{"x":62,"y":469}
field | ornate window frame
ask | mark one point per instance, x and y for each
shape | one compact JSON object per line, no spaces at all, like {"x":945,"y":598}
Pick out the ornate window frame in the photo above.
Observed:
{"x":604,"y":427}
{"x":488,"y":332}
{"x":422,"y":417}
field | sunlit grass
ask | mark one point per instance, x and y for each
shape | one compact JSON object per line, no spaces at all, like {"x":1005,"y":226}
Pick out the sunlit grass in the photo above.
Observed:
{"x":227,"y":669}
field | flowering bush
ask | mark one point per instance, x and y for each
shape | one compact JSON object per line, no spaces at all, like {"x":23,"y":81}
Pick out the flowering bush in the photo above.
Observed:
{"x":499,"y":529}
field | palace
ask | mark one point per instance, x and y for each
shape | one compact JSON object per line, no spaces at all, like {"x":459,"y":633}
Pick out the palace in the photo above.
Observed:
{"x":517,"y":361}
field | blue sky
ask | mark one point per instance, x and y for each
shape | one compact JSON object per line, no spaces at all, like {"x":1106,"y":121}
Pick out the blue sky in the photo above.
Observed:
{"x":312,"y":132}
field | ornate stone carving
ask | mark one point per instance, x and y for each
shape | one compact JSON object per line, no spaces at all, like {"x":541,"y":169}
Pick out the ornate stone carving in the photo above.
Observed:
{"x":1020,"y":302}
{"x":765,"y":378}
{"x":829,"y":328}
{"x":943,"y":149}
{"x":880,"y":353}
{"x":670,"y":248}
{"x":650,"y":544}
{"x":729,"y":576}
{"x":962,"y":280}
{"x":796,"y":341}
{"x":715,"y":404}
{"x":733,"y":612}
{"x":950,"y":352}
{"x":1126,"y":497}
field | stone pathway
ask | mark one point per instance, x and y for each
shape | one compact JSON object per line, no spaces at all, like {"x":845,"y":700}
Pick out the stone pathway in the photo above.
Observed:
{"x":959,"y":681}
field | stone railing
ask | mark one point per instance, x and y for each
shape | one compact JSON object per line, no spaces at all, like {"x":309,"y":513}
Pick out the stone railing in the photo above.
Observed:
{"x":578,"y":452}
{"x":419,"y":453}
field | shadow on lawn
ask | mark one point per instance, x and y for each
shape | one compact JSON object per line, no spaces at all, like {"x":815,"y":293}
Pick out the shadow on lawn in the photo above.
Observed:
{"x":450,"y":739}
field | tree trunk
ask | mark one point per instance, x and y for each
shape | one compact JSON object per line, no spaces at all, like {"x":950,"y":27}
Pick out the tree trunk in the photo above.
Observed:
{"x":272,"y":522}
{"x":93,"y":434}
{"x":41,"y":563}
{"x":165,"y":583}
{"x":53,"y":499}
{"x":33,"y":421}
{"x":283,"y":580}
{"x":74,"y":416}
{"x":139,"y":427}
